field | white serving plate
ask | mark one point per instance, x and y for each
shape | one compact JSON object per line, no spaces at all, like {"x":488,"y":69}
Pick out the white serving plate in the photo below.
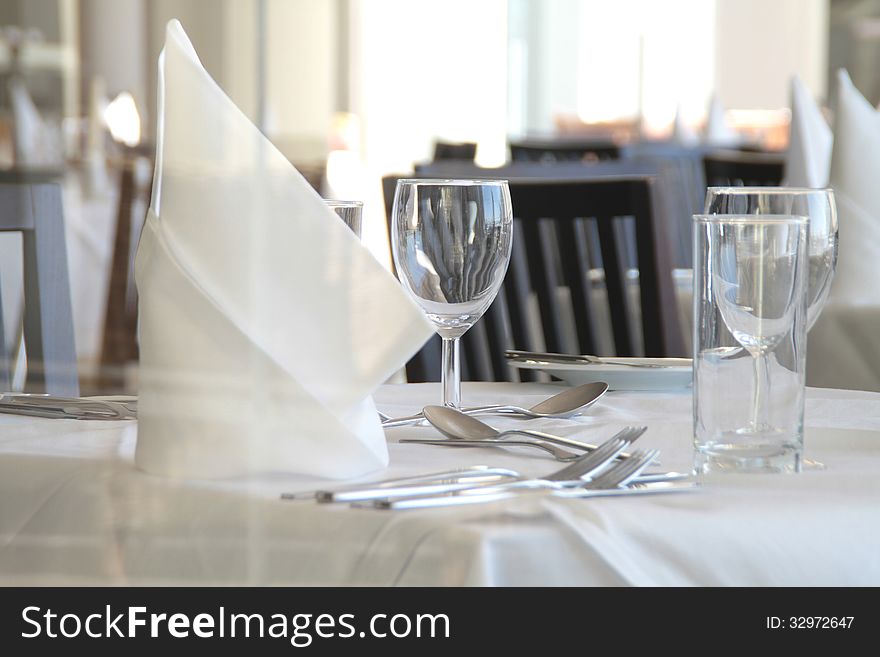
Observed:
{"x":674,"y":373}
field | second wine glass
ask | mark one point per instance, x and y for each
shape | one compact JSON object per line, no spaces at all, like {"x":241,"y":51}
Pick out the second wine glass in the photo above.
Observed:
{"x":451,"y":243}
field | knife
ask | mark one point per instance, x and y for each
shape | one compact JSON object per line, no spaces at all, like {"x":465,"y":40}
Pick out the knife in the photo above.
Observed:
{"x":550,"y":359}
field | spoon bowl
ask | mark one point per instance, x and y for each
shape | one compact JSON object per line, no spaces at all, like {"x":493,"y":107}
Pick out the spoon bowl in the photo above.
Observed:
{"x":456,"y":425}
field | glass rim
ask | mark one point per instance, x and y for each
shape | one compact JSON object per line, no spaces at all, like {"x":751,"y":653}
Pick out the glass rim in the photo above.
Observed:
{"x":743,"y":191}
{"x":458,"y":182}
{"x":751,"y":218}
{"x":343,"y":204}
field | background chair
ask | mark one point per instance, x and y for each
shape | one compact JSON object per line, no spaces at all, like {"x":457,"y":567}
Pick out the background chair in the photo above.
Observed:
{"x":119,"y":343}
{"x":465,"y":151}
{"x":562,"y":150}
{"x":35,"y":210}
{"x":741,"y":168}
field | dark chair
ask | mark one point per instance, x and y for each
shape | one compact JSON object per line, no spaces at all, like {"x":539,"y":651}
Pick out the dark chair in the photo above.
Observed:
{"x":465,"y":151}
{"x":742,"y":168}
{"x":562,"y":150}
{"x":553,"y":220}
{"x":35,"y":210}
{"x":119,"y":344}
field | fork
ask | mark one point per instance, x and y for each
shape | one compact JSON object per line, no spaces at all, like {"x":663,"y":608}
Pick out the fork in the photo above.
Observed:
{"x":586,"y":465}
{"x":618,"y":476}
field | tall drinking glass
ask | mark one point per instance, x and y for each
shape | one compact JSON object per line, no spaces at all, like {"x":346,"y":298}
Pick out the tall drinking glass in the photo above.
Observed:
{"x":749,"y":324}
{"x":451,"y":244}
{"x":816,"y":204}
{"x":351,"y":212}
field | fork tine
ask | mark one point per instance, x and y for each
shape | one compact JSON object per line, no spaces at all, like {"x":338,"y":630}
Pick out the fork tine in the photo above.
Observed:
{"x":590,"y":462}
{"x":624,"y":470}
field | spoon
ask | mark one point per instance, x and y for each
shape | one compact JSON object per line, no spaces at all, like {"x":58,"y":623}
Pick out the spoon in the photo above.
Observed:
{"x":565,"y":404}
{"x":458,"y":426}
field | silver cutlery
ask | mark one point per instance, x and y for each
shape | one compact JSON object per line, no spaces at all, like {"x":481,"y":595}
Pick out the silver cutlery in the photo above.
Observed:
{"x":567,"y":403}
{"x":557,"y":453}
{"x":474,"y":472}
{"x":458,"y":426}
{"x":615,"y":477}
{"x":77,"y":408}
{"x":556,"y":359}
{"x":586,"y":465}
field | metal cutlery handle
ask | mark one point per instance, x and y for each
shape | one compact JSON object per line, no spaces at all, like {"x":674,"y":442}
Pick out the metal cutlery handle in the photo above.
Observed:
{"x":551,"y":358}
{"x":573,"y":493}
{"x":558,"y":453}
{"x":550,"y":438}
{"x":470,"y":473}
{"x":419,"y":418}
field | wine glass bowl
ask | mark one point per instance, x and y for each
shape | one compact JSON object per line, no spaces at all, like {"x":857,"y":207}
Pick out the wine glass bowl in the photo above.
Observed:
{"x":754,"y":275}
{"x":451,"y":242}
{"x":818,"y":205}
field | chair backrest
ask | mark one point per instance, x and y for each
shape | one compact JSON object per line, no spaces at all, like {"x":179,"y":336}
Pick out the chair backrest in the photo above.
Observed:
{"x":466,"y":151}
{"x":556,"y":224}
{"x":741,"y":168}
{"x":35,"y":210}
{"x":119,"y":344}
{"x":562,"y":150}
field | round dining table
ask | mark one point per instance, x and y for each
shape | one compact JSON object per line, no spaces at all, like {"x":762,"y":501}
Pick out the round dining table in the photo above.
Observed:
{"x":74,"y":509}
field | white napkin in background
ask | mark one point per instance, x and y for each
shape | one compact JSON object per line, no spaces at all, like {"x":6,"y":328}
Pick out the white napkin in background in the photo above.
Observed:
{"x":855,"y":167}
{"x":264,"y":324}
{"x":96,"y":182}
{"x":842,"y":350}
{"x":36,"y":143}
{"x":682,"y":133}
{"x":718,"y":132}
{"x":808,"y":160}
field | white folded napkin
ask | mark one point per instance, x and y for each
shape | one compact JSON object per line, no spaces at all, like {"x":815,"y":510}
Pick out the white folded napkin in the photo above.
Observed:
{"x":808,"y":160}
{"x":718,"y":132}
{"x":36,"y":144}
{"x":842,"y":351}
{"x":682,"y":133}
{"x":855,"y":167}
{"x":264,"y":324}
{"x":96,"y":182}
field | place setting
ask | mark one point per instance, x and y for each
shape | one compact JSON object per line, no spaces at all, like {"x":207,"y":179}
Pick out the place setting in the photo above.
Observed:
{"x":531,"y":360}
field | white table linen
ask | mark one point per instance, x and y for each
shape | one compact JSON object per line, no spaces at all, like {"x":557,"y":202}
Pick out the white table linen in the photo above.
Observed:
{"x":75,"y":510}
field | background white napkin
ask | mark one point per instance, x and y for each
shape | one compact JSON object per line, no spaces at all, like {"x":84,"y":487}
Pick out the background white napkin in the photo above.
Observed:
{"x":842,"y":350}
{"x":855,"y":167}
{"x":682,"y":133}
{"x":718,"y":132}
{"x":36,"y":143}
{"x":264,"y":324}
{"x":808,"y":160}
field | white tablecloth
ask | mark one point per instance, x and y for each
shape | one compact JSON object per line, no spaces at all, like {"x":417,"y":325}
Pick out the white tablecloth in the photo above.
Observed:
{"x":73,"y":510}
{"x":842,"y":347}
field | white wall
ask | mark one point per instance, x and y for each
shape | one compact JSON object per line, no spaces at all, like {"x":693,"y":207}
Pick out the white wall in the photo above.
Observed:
{"x":423,"y":71}
{"x":118,"y":55}
{"x":762,"y":43}
{"x":744,"y":50}
{"x":301,"y":75}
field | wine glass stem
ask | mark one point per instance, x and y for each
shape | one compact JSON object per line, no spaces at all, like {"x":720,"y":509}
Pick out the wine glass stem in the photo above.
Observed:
{"x":451,"y":373}
{"x":760,"y":402}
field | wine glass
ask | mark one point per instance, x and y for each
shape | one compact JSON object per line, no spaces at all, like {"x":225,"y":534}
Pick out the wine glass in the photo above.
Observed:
{"x":451,"y":244}
{"x":757,"y":271}
{"x":817,"y":205}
